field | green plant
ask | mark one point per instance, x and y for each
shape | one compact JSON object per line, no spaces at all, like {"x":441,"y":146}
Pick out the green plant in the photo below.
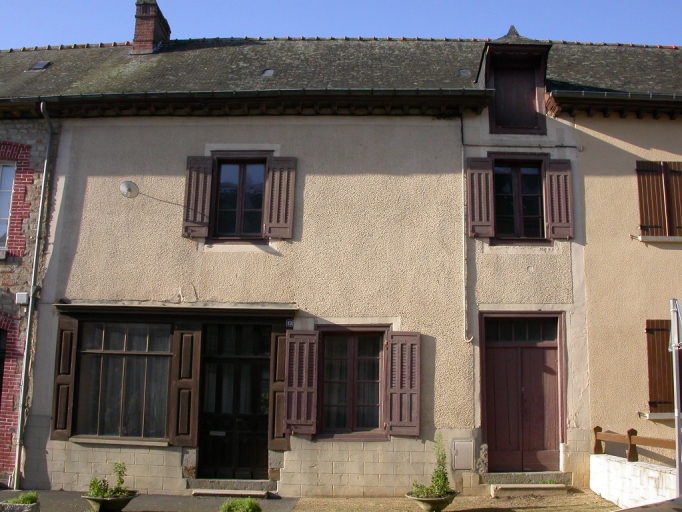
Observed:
{"x":241,"y":505}
{"x":440,"y":483}
{"x":100,"y":488}
{"x":26,"y":498}
{"x":550,"y":482}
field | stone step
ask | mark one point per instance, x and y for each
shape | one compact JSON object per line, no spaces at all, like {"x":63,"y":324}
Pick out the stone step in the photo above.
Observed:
{"x":231,"y":484}
{"x":512,"y":490}
{"x":232,"y":493}
{"x":536,"y":477}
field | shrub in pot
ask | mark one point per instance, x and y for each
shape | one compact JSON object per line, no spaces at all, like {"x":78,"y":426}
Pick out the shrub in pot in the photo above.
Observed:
{"x":439,"y":494}
{"x":104,"y":498}
{"x":25,"y":502}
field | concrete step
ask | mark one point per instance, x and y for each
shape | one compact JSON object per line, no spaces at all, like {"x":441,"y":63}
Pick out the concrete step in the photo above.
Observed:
{"x":513,"y":490}
{"x":536,"y":477}
{"x":231,"y":484}
{"x":231,"y":493}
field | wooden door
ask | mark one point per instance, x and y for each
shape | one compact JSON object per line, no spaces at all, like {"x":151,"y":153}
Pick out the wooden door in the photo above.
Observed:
{"x":522,"y":394}
{"x":233,"y":434}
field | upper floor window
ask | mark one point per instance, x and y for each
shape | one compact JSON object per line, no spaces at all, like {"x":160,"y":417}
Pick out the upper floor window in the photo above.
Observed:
{"x":517,"y":73}
{"x":660,"y":198}
{"x":7,"y":173}
{"x":239,"y":195}
{"x":520,"y":197}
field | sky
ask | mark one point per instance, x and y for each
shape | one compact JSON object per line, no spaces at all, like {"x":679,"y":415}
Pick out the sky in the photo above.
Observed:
{"x":28,"y":23}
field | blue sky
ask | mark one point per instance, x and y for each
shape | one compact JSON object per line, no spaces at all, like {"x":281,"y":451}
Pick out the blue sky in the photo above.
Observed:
{"x":42,"y":22}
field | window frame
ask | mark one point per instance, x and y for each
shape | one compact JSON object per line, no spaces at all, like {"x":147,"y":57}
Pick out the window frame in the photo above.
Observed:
{"x":515,"y":57}
{"x":12,"y":165}
{"x":517,"y":200}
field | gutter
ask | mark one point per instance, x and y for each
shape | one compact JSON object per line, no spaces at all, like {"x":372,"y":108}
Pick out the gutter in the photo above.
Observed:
{"x":31,"y":304}
{"x":616,"y":95}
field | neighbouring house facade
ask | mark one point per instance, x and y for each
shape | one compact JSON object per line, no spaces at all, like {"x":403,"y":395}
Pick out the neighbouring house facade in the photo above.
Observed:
{"x":288,"y":264}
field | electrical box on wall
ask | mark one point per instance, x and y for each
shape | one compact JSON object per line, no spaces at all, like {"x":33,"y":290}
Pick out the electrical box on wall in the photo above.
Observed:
{"x":462,"y":451}
{"x":21,"y":298}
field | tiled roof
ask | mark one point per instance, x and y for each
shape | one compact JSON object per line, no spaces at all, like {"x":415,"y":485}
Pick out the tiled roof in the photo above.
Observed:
{"x":237,"y":64}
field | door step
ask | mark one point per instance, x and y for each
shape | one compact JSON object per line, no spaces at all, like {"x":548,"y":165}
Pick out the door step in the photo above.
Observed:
{"x":535,"y":477}
{"x":514,"y":490}
{"x":205,"y":484}
{"x":232,"y":493}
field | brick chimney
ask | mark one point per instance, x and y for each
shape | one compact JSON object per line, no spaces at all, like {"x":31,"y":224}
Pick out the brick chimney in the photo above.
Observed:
{"x":151,"y":28}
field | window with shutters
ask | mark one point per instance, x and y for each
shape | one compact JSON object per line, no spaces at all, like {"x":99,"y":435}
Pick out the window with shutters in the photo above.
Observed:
{"x":520,"y":198}
{"x":660,"y":364}
{"x":660,"y":198}
{"x":367,"y":385}
{"x":239,"y":195}
{"x":122,"y":380}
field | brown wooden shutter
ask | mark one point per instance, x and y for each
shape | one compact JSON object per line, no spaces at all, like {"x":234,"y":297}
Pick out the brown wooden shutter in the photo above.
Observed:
{"x":661,"y":397}
{"x":279,"y":199}
{"x":184,"y":395}
{"x":674,"y":197}
{"x":403,"y":383}
{"x":300,"y":382}
{"x":559,"y":200}
{"x":481,"y":197}
{"x":652,"y":212}
{"x":197,"y":196}
{"x":65,"y":377}
{"x":278,"y":439}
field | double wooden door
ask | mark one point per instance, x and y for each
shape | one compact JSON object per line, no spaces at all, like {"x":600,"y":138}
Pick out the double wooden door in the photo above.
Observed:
{"x":522,"y":394}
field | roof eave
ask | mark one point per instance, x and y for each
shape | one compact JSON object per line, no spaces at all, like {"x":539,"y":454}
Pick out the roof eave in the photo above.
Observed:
{"x":621,"y":103}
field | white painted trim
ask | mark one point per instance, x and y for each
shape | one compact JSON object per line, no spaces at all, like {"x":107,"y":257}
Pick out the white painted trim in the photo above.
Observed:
{"x":127,"y":442}
{"x":275,"y":148}
{"x":660,"y":239}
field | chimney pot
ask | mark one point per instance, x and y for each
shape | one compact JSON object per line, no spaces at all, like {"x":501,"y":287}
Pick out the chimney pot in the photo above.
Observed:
{"x":151,"y":27}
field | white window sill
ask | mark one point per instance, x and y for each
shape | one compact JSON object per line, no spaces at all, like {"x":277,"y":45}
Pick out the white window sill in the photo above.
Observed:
{"x":660,"y":239}
{"x":117,"y":441}
{"x":660,"y":416}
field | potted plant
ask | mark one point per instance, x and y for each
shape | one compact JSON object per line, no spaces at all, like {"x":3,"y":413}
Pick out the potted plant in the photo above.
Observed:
{"x":103,"y":498}
{"x":439,"y":494}
{"x":25,"y":502}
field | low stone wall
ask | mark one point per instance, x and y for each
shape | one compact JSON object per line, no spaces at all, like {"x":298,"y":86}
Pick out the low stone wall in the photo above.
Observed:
{"x":631,"y":484}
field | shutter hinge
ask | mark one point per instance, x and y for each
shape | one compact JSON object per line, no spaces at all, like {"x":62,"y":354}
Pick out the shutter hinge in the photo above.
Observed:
{"x":385,"y":426}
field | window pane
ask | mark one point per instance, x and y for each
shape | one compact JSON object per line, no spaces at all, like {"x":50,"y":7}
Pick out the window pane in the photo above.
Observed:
{"x":520,"y":330}
{"x":5,"y":199}
{"x":532,"y":205}
{"x":336,"y":347}
{"x":137,"y":338}
{"x":368,"y":394}
{"x":3,"y":233}
{"x":227,"y":199}
{"x":491,"y":330}
{"x":532,"y":227}
{"x":255,"y":174}
{"x":252,"y":222}
{"x":336,"y":370}
{"x":506,"y":330}
{"x":335,"y":394}
{"x":504,"y":226}
{"x":369,"y":346}
{"x":227,"y":388}
{"x":530,"y":183}
{"x":93,"y":334}
{"x":534,"y":331}
{"x":227,"y":223}
{"x":368,"y":417}
{"x":156,"y":397}
{"x":335,"y":417}
{"x":133,"y":396}
{"x":503,"y":181}
{"x":368,"y":369}
{"x":549,"y":330}
{"x":159,"y":338}
{"x":7,"y":179}
{"x":88,"y":394}
{"x":210,"y":372}
{"x":504,"y":205}
{"x":110,"y":404}
{"x":229,"y":174}
{"x":114,"y":336}
{"x":253,"y":200}
{"x":245,"y":389}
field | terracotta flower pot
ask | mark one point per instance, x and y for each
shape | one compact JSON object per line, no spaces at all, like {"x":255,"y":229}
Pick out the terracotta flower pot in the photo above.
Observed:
{"x":433,"y":504}
{"x":110,"y":504}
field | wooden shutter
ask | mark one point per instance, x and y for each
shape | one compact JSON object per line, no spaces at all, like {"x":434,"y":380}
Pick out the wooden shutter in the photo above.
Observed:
{"x":279,"y":199}
{"x":652,"y":212}
{"x":300,"y":382}
{"x":674,"y":197}
{"x":278,"y":439}
{"x":197,"y":196}
{"x":403,"y":383}
{"x":559,"y":200}
{"x":184,"y":394}
{"x":661,"y":397}
{"x":481,"y":197}
{"x":65,"y":377}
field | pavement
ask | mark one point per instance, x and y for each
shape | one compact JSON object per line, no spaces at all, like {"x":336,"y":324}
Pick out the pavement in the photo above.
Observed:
{"x":67,"y":501}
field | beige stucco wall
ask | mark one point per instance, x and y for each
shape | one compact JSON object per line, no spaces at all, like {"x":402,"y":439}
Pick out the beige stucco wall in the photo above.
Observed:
{"x":628,"y":281}
{"x":377,"y":234}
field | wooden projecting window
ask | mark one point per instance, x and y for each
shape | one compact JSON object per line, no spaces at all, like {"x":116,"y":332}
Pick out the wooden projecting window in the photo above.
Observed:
{"x":660,"y":363}
{"x":239,"y":195}
{"x":660,"y":198}
{"x":123,"y":372}
{"x":352,"y":382}
{"x":520,"y":197}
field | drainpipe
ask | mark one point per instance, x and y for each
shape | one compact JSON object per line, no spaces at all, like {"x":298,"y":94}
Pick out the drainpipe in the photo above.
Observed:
{"x":31,"y":303}
{"x":465,"y":238}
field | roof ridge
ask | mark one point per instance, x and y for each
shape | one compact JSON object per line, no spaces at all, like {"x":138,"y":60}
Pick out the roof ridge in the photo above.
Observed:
{"x":66,"y":47}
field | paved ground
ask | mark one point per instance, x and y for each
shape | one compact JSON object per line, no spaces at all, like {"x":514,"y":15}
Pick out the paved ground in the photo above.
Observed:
{"x":575,"y":501}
